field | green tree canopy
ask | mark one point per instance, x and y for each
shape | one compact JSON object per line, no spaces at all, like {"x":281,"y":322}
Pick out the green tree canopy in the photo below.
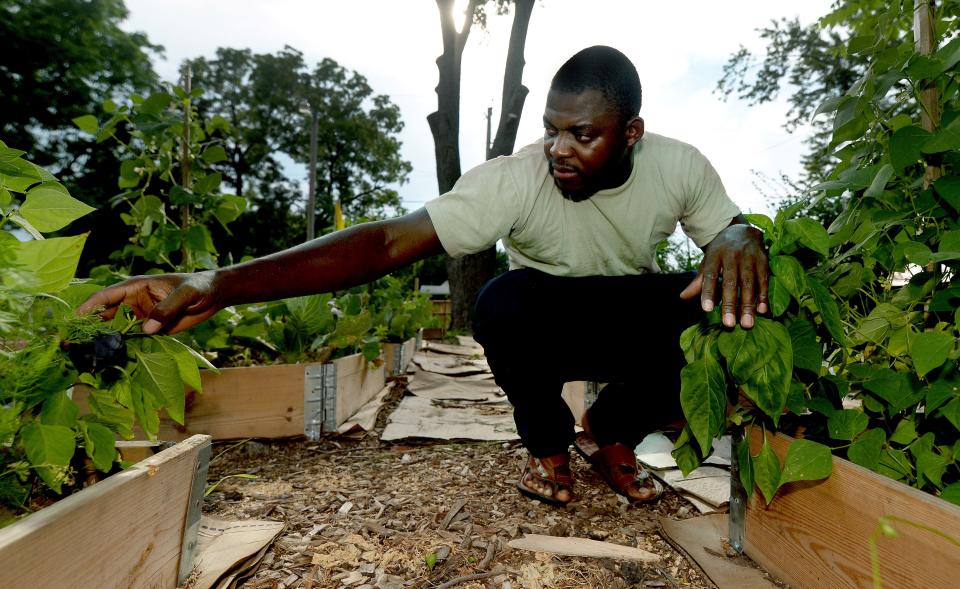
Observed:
{"x":266,"y":99}
{"x":257,"y":95}
{"x":61,"y":59}
{"x":358,"y":151}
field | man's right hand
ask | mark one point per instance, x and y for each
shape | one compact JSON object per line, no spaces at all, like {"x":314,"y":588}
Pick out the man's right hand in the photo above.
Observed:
{"x":167,"y":302}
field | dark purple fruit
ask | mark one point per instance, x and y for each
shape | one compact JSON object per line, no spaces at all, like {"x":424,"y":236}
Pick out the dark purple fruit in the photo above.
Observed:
{"x":101,"y":352}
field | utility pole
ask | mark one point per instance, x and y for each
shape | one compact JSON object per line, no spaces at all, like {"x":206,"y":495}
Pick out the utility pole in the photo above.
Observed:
{"x":312,"y":196}
{"x":487,"y":147}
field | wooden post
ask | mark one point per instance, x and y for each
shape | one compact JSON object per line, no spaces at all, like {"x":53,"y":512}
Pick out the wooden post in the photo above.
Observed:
{"x":926,"y":44}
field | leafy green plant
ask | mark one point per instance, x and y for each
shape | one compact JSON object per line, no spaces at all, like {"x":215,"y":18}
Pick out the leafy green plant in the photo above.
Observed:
{"x":430,"y":560}
{"x":862,"y":352}
{"x":313,"y":328}
{"x":400,"y":312}
{"x":750,"y":371}
{"x":167,"y":178}
{"x":47,"y":352}
{"x":353,"y":331}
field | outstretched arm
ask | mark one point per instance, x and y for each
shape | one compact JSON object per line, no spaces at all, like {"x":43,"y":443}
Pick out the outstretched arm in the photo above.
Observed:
{"x":737,"y":254}
{"x":359,"y":254}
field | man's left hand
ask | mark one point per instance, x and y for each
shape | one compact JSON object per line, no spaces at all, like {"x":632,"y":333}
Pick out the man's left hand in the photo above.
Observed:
{"x":737,"y":254}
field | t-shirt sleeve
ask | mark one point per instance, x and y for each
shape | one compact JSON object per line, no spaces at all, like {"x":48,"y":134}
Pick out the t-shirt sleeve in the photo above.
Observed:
{"x":481,"y":208}
{"x":708,"y":210}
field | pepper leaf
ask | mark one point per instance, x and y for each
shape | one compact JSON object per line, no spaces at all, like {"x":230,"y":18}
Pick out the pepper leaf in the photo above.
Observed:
{"x":159,"y":374}
{"x":99,"y":443}
{"x":806,"y":461}
{"x":49,"y":449}
{"x":766,"y":472}
{"x":929,"y":350}
{"x":866,"y":449}
{"x":703,"y":398}
{"x":49,"y":207}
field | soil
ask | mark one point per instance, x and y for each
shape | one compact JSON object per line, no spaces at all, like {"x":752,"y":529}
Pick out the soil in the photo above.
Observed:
{"x":365,"y":514}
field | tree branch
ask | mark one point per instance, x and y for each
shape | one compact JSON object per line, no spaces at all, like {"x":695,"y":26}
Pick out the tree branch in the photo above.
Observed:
{"x":467,"y":25}
{"x":474,"y":577}
{"x":514,"y":92}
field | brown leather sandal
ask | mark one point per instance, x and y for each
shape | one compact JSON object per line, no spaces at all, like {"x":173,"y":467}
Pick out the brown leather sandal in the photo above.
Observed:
{"x":617,"y":466}
{"x":551,"y":473}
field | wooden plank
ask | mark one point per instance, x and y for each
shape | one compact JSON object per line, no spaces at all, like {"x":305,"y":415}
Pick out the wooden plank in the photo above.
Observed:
{"x":125,"y":531}
{"x":457,"y":350}
{"x":816,"y":534}
{"x":137,"y":450}
{"x":568,"y":546}
{"x":244,"y":402}
{"x":443,"y":310}
{"x":358,"y":381}
{"x":433,"y":333}
{"x":701,"y":540}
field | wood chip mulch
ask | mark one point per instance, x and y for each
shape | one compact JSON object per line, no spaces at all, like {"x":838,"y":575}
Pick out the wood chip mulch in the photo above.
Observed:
{"x":366,"y":514}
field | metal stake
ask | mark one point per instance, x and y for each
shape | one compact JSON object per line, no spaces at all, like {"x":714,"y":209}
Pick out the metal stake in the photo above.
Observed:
{"x":738,"y":495}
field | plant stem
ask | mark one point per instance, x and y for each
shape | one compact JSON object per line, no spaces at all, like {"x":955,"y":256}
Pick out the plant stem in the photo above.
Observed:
{"x":185,"y":262}
{"x":231,"y":447}
{"x":884,"y":528}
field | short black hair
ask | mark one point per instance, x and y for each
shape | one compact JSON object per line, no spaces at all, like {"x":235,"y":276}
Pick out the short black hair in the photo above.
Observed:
{"x":607,"y":70}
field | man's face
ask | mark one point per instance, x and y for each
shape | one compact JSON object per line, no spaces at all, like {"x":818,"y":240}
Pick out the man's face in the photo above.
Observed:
{"x":586,"y":142}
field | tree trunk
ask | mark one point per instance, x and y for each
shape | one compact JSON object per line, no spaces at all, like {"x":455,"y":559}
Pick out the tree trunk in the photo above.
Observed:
{"x":445,"y":122}
{"x":468,"y":274}
{"x":514,"y":92}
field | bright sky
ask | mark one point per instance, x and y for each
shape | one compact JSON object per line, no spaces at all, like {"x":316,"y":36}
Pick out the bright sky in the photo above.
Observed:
{"x":679,"y":49}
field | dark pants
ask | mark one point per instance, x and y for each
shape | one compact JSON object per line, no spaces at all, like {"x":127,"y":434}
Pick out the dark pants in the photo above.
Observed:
{"x":539,"y":331}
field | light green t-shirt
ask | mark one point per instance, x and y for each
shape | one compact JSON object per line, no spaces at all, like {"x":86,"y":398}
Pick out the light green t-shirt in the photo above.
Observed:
{"x":612,"y":233}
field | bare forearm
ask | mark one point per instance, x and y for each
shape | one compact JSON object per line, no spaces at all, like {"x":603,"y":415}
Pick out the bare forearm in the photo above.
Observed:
{"x":339,"y":260}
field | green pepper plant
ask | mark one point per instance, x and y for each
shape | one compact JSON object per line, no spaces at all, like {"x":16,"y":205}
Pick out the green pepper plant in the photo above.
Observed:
{"x":311,"y":328}
{"x":48,"y":353}
{"x":400,"y":311}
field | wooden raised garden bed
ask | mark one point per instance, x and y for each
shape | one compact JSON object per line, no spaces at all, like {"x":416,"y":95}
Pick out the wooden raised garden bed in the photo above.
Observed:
{"x":277,"y":401}
{"x":817,"y":534}
{"x":396,"y":357}
{"x":137,"y":528}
